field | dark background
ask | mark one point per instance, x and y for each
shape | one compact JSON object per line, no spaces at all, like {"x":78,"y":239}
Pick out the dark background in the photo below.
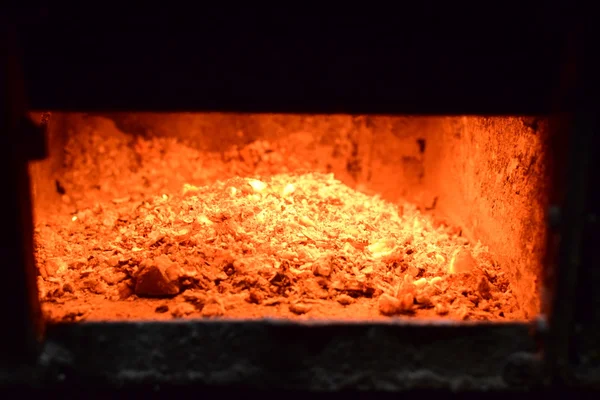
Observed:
{"x":425,"y":58}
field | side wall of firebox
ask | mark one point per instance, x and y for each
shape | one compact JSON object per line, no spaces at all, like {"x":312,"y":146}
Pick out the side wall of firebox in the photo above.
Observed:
{"x":486,"y":175}
{"x":491,"y":176}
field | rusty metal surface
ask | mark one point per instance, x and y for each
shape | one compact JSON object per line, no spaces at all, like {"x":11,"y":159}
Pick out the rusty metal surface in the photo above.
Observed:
{"x":284,"y":355}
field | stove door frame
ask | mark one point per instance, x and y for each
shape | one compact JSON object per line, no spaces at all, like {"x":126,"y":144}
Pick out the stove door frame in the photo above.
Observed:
{"x":274,"y":354}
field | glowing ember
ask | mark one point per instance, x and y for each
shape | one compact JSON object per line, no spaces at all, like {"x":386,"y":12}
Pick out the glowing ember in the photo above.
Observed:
{"x":288,"y":245}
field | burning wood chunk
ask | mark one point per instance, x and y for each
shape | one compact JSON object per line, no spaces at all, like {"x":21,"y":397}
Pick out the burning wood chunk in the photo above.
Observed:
{"x":462,"y":262}
{"x":407,"y":301}
{"x":288,"y":190}
{"x":322,"y":267}
{"x":484,"y":288}
{"x":213,"y":308}
{"x":68,"y":288}
{"x":441,"y":309}
{"x":463,"y":313}
{"x":381,"y":248}
{"x":436,"y":280}
{"x":158,"y":278}
{"x":345,"y":300}
{"x":112,"y":276}
{"x":257,"y":186}
{"x":196,"y":299}
{"x":125,"y":289}
{"x":424,"y":298}
{"x":78,"y":264}
{"x":274,"y":301}
{"x":56,"y":266}
{"x":95,"y":285}
{"x":305,"y":221}
{"x":183,"y":309}
{"x":484,"y":305}
{"x":255,"y":297}
{"x":316,"y":289}
{"x":299,"y":308}
{"x":189,"y":189}
{"x":420,"y":283}
{"x":389,"y":305}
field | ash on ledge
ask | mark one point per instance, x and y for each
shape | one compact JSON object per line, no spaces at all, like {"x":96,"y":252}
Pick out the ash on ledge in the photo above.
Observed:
{"x":258,"y":233}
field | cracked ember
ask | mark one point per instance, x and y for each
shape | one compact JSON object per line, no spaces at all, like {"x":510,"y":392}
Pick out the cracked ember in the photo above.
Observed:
{"x":291,"y":245}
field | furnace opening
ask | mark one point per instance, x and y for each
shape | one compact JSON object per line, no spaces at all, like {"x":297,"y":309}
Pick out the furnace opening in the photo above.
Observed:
{"x":160,"y":216}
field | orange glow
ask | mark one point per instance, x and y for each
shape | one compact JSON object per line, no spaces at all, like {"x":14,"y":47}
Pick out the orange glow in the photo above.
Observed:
{"x":151,"y":228}
{"x":293,"y":244}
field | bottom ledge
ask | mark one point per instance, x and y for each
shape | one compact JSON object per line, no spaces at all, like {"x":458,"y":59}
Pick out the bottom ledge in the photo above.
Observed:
{"x":277,"y":355}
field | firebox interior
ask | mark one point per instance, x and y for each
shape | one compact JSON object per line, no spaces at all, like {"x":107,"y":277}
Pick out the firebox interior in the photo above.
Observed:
{"x":159,"y":216}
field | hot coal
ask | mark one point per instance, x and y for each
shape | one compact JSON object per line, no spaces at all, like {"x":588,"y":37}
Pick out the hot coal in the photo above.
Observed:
{"x":290,"y":245}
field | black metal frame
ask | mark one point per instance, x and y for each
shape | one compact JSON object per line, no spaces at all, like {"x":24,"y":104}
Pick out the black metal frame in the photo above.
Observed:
{"x":21,"y":141}
{"x":271,"y":354}
{"x":433,"y":58}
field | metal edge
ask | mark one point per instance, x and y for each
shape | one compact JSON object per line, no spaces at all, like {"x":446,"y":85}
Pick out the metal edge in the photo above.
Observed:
{"x":286,"y":355}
